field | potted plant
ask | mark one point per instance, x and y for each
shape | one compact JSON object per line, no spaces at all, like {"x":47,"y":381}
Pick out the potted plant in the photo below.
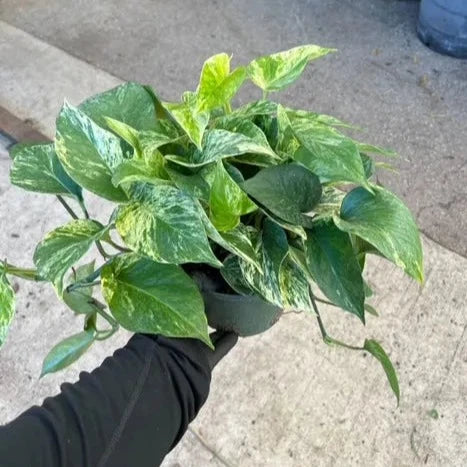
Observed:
{"x":222,"y":216}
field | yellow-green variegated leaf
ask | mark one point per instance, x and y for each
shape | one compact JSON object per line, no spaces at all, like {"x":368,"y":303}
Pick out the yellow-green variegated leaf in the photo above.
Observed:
{"x":149,"y":297}
{"x":7,"y":306}
{"x":219,"y":144}
{"x":277,"y":71}
{"x":88,"y":153}
{"x":36,"y":168}
{"x":165,"y":132}
{"x":64,"y":246}
{"x":385,"y":222}
{"x":272,"y":248}
{"x":126,"y":132}
{"x":163,"y":223}
{"x":233,"y":275}
{"x":217,"y":85}
{"x":237,"y":241}
{"x":227,"y":201}
{"x":138,"y":170}
{"x":129,"y":103}
{"x":191,"y":120}
{"x":295,"y":289}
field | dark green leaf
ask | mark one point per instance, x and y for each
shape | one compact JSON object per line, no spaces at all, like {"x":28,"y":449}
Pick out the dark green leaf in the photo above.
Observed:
{"x":375,"y":349}
{"x":128,"y":103}
{"x":36,"y":167}
{"x":78,"y":299}
{"x":149,"y":297}
{"x":386,"y":223}
{"x":7,"y":306}
{"x":233,"y":275}
{"x":277,"y":71}
{"x":217,"y":85}
{"x":67,"y":352}
{"x":195,"y":185}
{"x":289,"y":191}
{"x":220,"y":144}
{"x":163,"y":223}
{"x":334,"y":267}
{"x":368,"y":165}
{"x":64,"y":246}
{"x":88,"y":153}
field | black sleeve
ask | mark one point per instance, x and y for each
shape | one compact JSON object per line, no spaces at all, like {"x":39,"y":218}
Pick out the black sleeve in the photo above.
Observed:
{"x":131,"y":411}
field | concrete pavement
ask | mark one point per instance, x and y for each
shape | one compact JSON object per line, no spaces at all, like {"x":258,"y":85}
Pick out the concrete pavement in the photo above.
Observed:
{"x":282,"y":398}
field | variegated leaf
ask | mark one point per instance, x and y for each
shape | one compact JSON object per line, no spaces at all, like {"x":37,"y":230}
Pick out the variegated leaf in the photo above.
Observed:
{"x":64,"y":246}
{"x":36,"y":167}
{"x":7,"y":306}
{"x":295,"y":289}
{"x":149,"y":297}
{"x":88,"y":153}
{"x":163,"y":223}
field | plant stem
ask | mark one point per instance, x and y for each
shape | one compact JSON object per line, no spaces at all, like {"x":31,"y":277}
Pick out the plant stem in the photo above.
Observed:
{"x":265,"y":95}
{"x":67,"y":207}
{"x":326,"y":302}
{"x":227,"y":108}
{"x":81,"y":285}
{"x":83,"y":208}
{"x":23,"y":273}
{"x":118,"y":247}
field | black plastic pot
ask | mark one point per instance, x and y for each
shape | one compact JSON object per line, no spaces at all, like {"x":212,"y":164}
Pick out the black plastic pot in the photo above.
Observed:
{"x":442,"y":26}
{"x":246,"y":316}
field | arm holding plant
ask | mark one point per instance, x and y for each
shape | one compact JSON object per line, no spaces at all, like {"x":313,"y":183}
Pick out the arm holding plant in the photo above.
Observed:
{"x":132,"y":410}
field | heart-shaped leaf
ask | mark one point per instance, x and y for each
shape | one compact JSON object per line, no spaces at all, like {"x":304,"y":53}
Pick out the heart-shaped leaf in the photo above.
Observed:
{"x":78,"y":300}
{"x":36,"y":167}
{"x":163,"y":223}
{"x":334,"y":267}
{"x":67,"y":352}
{"x":217,"y":85}
{"x":277,"y":71}
{"x":145,"y":296}
{"x":385,"y":222}
{"x":64,"y":246}
{"x":129,"y":103}
{"x":88,"y":153}
{"x":289,"y":191}
{"x":7,"y":306}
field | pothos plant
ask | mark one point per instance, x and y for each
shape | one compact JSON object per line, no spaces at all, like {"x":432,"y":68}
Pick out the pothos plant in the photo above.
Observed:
{"x":269,"y":201}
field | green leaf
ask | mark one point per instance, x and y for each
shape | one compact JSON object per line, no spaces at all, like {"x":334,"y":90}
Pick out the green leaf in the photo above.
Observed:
{"x":371,"y":310}
{"x":334,"y":267}
{"x":233,"y":275}
{"x":375,"y":349}
{"x":165,"y":132}
{"x":277,"y":71}
{"x":220,"y":144}
{"x":327,"y":153}
{"x":385,"y":222}
{"x":317,"y":118}
{"x":369,"y":148}
{"x":272,"y":249}
{"x":129,"y":103}
{"x":194,"y":185}
{"x":227,"y":201}
{"x":217,"y":85}
{"x":36,"y":168}
{"x":67,"y":352}
{"x":289,"y":191}
{"x":88,"y":153}
{"x":7,"y":306}
{"x":192,"y":121}
{"x":78,"y":299}
{"x":126,"y":132}
{"x":163,"y":223}
{"x":64,"y":246}
{"x":329,"y":205}
{"x":261,"y":107}
{"x":296,"y":229}
{"x":237,"y":241}
{"x":138,"y":170}
{"x":149,"y":297}
{"x":295,"y":289}
{"x":368,"y":165}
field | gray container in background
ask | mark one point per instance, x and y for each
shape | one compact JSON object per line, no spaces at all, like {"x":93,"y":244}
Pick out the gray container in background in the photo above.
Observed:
{"x":442,"y":26}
